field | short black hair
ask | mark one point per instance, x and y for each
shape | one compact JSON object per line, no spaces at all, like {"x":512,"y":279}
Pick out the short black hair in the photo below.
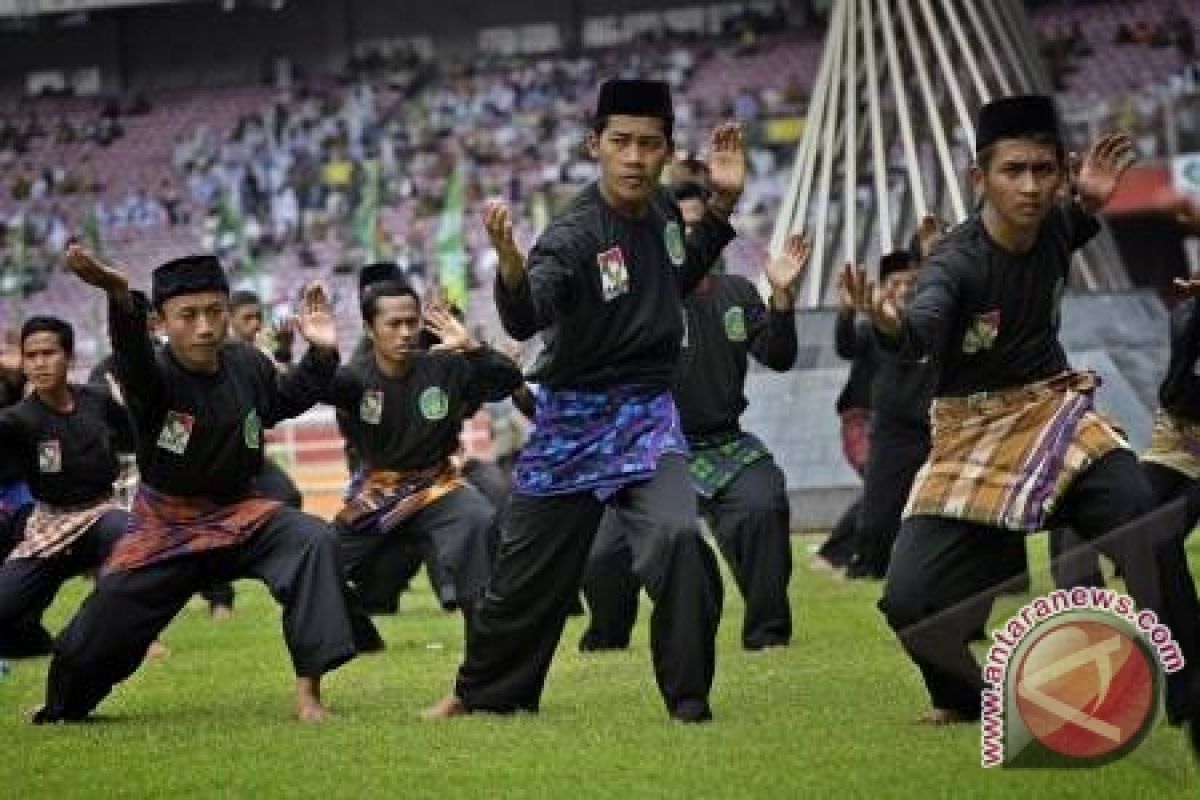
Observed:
{"x":243,"y":297}
{"x":984,"y":157}
{"x":376,"y":291}
{"x":43,"y":324}
{"x":600,"y":122}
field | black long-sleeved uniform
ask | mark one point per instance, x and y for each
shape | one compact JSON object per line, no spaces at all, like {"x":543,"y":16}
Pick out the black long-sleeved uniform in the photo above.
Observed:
{"x":726,"y":321}
{"x":67,"y":458}
{"x":605,"y":289}
{"x":200,"y":434}
{"x":989,"y":318}
{"x":856,"y":393}
{"x":1179,"y":393}
{"x":901,"y":389}
{"x":413,"y":421}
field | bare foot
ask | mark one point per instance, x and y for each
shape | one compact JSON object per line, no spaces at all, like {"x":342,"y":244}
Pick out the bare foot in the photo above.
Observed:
{"x":221,"y":613}
{"x":308,"y":701}
{"x":157,"y":651}
{"x":943,"y":716}
{"x":312,"y":711}
{"x":821,"y":564}
{"x":449,"y":706}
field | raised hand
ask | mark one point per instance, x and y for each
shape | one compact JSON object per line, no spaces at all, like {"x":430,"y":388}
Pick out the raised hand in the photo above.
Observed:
{"x":845,"y":298}
{"x":726,"y":167}
{"x":928,"y":232}
{"x":91,"y":270}
{"x":10,"y":355}
{"x":446,"y":327}
{"x":870,"y":300}
{"x":314,"y":318}
{"x":1097,"y":174}
{"x":284,"y":332}
{"x":785,"y":269}
{"x":497,"y":220}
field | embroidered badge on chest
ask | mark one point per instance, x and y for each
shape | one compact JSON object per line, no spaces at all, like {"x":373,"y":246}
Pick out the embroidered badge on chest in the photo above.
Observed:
{"x":673,"y":236}
{"x":370,"y":410}
{"x":49,"y":456}
{"x":614,"y":275}
{"x":981,"y":332}
{"x":735,"y":324}
{"x":252,"y":430}
{"x":176,"y":432}
{"x":434,"y":404}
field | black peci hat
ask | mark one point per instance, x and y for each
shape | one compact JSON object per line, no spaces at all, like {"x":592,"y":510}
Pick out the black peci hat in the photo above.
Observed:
{"x":187,"y":275}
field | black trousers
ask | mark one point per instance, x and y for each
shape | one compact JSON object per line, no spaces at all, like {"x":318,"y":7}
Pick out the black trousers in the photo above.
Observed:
{"x":29,"y":585}
{"x":1168,"y":485}
{"x":272,"y":482}
{"x":537,"y":574}
{"x":751,"y":523}
{"x":838,"y":549}
{"x":944,"y":572}
{"x":453,"y":534}
{"x":389,"y":572}
{"x":895,"y":458}
{"x":294,"y":554}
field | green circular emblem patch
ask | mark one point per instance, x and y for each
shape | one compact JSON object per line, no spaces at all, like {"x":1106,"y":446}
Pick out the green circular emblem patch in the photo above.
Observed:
{"x":735,"y":324}
{"x":252,"y":430}
{"x":673,"y":237}
{"x":434,"y":403}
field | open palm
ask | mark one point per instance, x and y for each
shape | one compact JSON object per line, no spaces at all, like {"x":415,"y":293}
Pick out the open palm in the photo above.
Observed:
{"x":1101,"y":170}
{"x":727,"y":160}
{"x":315,"y":320}
{"x":786,"y":268}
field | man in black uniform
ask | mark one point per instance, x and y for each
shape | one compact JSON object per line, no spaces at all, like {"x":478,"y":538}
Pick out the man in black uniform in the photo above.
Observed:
{"x":1172,"y":466}
{"x":604,"y":285}
{"x":199,"y":407}
{"x":899,"y":439}
{"x":64,"y":440}
{"x":742,"y":492}
{"x":403,"y":411}
{"x":245,"y":324}
{"x":1016,"y":442}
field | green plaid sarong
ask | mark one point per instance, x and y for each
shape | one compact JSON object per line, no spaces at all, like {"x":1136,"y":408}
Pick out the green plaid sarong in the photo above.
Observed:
{"x":719,"y":458}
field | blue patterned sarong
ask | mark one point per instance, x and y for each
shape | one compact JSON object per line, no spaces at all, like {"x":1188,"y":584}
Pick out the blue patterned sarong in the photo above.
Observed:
{"x":599,"y":441}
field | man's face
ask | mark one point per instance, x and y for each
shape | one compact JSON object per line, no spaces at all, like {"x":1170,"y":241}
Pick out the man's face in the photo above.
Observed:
{"x":1021,"y":181}
{"x":899,"y":287}
{"x":693,"y":211}
{"x":44,"y":361}
{"x":246,"y":321}
{"x":396,"y":328}
{"x":632,"y":152}
{"x":196,"y":326}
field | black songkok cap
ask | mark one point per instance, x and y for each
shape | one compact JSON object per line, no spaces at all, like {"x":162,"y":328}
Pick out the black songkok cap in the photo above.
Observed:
{"x":689,"y":190}
{"x":895,"y":261}
{"x":635,"y":98}
{"x":1015,"y":118}
{"x":188,"y":275}
{"x":379,"y":272}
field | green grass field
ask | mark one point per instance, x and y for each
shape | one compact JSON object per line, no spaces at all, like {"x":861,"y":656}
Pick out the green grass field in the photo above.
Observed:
{"x":829,"y":717}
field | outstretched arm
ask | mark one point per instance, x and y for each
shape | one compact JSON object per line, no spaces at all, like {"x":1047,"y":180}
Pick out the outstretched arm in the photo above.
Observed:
{"x":299,"y":389}
{"x":773,"y":341}
{"x":529,"y":293}
{"x":727,"y":179}
{"x":134,"y":360}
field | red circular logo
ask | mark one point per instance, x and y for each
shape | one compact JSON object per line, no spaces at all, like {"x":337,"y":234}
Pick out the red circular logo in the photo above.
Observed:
{"x":1085,"y":688}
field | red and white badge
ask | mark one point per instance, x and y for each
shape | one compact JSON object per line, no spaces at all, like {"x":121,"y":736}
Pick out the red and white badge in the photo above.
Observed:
{"x":49,"y":456}
{"x":176,"y":432}
{"x":614,"y":275}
